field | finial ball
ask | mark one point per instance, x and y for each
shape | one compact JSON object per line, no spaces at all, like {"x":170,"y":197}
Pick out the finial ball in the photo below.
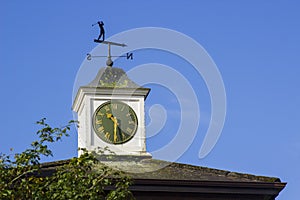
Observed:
{"x":109,"y":62}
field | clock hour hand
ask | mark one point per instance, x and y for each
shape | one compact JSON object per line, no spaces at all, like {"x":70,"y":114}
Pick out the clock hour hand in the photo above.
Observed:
{"x":114,"y":119}
{"x":109,"y":115}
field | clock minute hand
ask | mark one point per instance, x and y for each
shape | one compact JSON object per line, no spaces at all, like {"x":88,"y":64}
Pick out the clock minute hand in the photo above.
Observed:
{"x":115,"y":121}
{"x":115,"y":129}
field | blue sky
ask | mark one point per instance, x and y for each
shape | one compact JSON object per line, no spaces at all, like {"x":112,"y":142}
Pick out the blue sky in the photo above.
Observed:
{"x":255,"y":45}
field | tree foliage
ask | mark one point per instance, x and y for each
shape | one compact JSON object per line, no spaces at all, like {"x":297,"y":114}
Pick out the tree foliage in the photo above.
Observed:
{"x":21,"y":175}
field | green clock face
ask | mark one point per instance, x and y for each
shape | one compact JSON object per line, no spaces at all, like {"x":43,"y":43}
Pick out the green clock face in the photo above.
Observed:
{"x":115,"y":122}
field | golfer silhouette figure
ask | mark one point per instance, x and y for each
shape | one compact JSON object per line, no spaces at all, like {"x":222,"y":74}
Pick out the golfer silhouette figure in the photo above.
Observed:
{"x":102,"y":32}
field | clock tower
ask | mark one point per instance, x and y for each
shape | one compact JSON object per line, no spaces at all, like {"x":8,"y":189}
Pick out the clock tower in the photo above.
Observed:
{"x":111,"y":113}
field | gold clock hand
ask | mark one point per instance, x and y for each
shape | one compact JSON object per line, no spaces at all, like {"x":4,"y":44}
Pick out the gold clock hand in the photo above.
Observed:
{"x":115,"y":120}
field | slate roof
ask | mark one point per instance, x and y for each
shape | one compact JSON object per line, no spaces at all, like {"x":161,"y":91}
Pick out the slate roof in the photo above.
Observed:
{"x":113,"y":77}
{"x":159,"y":169}
{"x":179,"y":181}
{"x":149,"y":168}
{"x":180,"y":171}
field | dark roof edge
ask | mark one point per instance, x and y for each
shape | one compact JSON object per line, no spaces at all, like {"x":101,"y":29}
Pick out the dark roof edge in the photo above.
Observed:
{"x":55,"y":163}
{"x":234,"y":187}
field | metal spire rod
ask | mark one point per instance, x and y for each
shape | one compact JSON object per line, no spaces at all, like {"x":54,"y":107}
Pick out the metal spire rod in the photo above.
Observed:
{"x":109,"y":62}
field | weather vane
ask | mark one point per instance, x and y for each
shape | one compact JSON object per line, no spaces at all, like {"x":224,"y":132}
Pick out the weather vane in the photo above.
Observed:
{"x":109,"y":62}
{"x":102,"y":31}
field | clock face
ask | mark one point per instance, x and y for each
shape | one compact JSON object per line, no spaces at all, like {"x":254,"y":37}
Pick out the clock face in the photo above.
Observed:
{"x":115,"y":122}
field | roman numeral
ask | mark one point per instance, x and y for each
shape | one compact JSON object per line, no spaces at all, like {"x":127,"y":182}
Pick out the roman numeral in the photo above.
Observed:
{"x":106,"y":108}
{"x":99,"y":121}
{"x":101,"y":129}
{"x":100,"y":114}
{"x":114,"y":106}
{"x":107,"y":135}
{"x":122,"y":108}
{"x":129,"y":130}
{"x":123,"y":135}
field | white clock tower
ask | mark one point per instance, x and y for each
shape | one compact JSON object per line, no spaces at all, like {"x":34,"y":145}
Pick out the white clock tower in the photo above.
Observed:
{"x":111,"y":113}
